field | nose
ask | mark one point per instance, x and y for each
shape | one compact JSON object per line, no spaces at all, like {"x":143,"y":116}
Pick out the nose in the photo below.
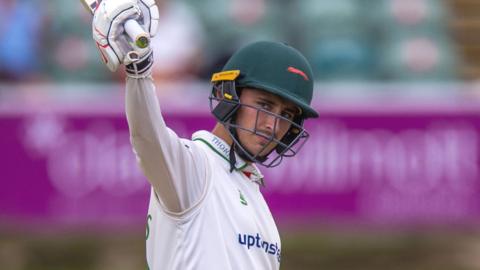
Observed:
{"x":270,"y":123}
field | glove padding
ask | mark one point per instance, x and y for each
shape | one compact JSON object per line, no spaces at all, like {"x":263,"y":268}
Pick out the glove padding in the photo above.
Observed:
{"x":109,"y":33}
{"x":140,"y":68}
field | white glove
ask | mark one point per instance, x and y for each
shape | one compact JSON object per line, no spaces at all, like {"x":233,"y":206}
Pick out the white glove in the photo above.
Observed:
{"x":112,"y":41}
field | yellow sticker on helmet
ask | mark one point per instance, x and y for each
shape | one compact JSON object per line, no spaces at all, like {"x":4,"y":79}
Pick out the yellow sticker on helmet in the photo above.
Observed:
{"x":228,"y":75}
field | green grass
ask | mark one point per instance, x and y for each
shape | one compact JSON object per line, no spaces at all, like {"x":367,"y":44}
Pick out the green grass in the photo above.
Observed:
{"x":72,"y":251}
{"x":320,"y":249}
{"x":443,"y":250}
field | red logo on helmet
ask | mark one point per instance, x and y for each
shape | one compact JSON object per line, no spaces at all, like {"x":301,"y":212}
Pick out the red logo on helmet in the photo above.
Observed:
{"x":299,"y":72}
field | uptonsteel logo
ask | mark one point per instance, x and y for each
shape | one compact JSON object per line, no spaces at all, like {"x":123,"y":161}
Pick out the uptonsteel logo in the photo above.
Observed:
{"x":255,"y":241}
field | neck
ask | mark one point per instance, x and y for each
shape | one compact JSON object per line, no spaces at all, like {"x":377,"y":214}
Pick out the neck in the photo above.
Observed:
{"x":220,"y":131}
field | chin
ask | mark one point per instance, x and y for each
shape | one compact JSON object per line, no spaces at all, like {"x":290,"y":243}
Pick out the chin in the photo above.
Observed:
{"x":255,"y":147}
{"x":266,"y":151}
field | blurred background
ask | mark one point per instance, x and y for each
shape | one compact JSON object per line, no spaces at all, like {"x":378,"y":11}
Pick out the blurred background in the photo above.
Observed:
{"x":390,"y":177}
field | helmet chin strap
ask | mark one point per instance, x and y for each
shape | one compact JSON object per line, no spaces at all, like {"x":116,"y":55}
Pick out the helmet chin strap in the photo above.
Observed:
{"x":232,"y":159}
{"x":241,"y":151}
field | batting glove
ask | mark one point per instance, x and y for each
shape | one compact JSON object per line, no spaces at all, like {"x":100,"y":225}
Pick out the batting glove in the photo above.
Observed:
{"x":115,"y":46}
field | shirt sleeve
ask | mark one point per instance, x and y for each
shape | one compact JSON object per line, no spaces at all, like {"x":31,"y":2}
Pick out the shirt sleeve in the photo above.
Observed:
{"x":176,"y":168}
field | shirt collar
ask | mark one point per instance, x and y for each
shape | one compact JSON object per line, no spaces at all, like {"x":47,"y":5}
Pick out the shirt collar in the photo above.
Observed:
{"x":221,"y":148}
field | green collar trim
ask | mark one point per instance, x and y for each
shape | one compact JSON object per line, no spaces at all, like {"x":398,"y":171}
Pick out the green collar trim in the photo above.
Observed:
{"x":222,"y":149}
{"x":211,"y":147}
{"x":238,"y":167}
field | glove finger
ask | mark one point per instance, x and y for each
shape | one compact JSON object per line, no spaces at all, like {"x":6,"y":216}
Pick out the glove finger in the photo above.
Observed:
{"x":109,"y":57}
{"x":110,"y":18}
{"x":116,"y":36}
{"x":150,"y":16}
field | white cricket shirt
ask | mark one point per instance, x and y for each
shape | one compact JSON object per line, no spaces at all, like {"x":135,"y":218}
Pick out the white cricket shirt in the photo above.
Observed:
{"x":201,"y":215}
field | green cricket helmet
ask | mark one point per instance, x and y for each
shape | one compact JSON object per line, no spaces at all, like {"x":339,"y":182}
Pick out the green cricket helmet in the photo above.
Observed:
{"x":273,"y":67}
{"x":276,"y":68}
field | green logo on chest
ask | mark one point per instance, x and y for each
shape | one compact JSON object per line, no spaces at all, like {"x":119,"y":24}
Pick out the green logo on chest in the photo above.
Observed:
{"x":242,"y":199}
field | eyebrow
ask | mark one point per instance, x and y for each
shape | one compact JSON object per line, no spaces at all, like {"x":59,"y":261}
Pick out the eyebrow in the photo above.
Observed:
{"x":291,"y":109}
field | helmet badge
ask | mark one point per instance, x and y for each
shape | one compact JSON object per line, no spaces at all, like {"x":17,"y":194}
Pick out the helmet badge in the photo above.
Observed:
{"x":298,"y":71}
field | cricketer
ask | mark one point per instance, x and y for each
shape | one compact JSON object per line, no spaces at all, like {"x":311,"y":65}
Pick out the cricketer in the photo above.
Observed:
{"x":206,"y":208}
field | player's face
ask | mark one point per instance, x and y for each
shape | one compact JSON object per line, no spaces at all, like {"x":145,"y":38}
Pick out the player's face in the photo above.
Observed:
{"x":263,"y":125}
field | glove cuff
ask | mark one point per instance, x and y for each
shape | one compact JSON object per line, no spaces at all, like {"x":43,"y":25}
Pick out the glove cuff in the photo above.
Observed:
{"x":141,"y":68}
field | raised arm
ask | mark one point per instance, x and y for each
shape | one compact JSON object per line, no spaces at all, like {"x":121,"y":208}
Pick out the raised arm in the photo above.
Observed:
{"x":175,"y":167}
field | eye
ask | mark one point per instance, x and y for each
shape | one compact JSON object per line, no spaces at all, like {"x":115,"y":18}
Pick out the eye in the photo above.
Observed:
{"x":288,"y":115}
{"x":264,"y":105}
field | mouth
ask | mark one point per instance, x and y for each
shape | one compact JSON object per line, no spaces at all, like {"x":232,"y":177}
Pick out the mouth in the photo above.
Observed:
{"x":262,"y":141}
{"x":264,"y":138}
